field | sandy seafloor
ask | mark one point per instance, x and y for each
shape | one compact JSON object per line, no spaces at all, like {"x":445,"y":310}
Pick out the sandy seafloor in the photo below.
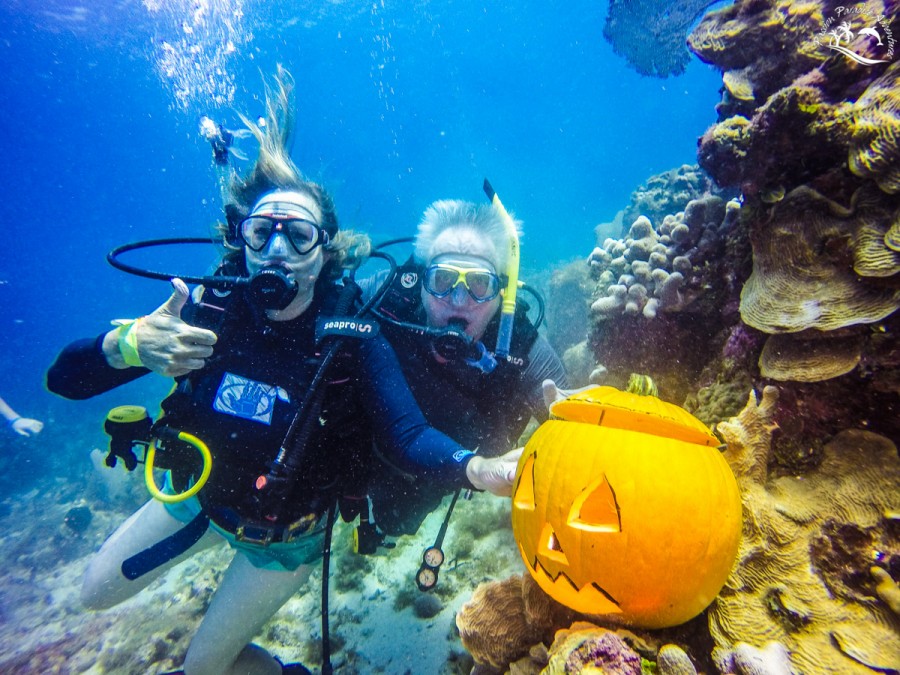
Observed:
{"x":375,"y":605}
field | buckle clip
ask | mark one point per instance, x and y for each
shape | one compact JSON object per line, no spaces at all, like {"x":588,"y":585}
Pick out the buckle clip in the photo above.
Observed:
{"x":253,"y":534}
{"x":300,"y":527}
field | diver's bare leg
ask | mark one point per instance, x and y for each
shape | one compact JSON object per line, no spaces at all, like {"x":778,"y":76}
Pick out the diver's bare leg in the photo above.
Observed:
{"x":245,"y":600}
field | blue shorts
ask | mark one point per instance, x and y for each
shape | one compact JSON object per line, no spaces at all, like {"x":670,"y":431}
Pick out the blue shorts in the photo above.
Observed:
{"x":277,"y":556}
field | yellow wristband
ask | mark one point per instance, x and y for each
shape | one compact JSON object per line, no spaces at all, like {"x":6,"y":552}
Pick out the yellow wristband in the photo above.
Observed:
{"x":127,"y":342}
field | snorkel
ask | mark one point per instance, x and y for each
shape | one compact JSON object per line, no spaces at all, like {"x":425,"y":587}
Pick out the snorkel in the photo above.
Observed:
{"x":508,"y":311}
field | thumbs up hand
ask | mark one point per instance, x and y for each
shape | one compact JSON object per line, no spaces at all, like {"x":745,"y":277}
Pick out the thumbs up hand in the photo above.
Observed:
{"x":163,"y":342}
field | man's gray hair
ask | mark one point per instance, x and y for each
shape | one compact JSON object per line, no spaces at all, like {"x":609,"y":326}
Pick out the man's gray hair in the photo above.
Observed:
{"x":446,"y":214}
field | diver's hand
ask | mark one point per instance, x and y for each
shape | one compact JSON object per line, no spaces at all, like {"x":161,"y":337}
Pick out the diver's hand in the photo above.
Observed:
{"x":25,"y":426}
{"x":494,"y":474}
{"x":552,"y":393}
{"x":166,"y":344}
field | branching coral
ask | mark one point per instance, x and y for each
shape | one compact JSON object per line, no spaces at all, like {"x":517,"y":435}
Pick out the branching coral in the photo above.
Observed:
{"x":646,"y":272}
{"x":665,"y":193}
{"x":778,"y":591}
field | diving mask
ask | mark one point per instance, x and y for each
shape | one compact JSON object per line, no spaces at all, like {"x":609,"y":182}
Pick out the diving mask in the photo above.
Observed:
{"x":442,"y":278}
{"x":256,"y":232}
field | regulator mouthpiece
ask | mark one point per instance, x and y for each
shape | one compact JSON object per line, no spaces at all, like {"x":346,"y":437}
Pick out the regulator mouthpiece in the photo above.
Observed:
{"x":271,"y":288}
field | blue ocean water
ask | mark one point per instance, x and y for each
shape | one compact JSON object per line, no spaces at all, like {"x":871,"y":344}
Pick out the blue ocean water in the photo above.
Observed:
{"x":399,"y":103}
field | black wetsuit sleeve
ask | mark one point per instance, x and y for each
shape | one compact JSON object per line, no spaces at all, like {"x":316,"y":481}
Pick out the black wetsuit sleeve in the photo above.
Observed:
{"x":543,"y":364}
{"x":401,"y":430}
{"x":81,"y":371}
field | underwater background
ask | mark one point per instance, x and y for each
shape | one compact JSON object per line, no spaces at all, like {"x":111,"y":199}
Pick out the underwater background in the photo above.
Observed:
{"x":400,"y":104}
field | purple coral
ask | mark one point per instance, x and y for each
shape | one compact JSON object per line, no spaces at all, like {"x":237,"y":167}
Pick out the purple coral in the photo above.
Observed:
{"x":607,"y":651}
{"x":743,"y":341}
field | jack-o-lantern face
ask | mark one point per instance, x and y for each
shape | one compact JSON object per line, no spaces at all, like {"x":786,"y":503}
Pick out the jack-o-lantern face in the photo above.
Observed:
{"x":626,"y":507}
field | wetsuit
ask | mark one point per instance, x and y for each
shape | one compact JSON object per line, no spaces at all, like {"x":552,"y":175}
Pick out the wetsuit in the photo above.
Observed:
{"x":487,"y":411}
{"x":244,"y":399}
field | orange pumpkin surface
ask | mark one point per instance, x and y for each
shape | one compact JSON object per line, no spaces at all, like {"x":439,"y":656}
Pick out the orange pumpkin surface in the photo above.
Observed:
{"x":625,"y":506}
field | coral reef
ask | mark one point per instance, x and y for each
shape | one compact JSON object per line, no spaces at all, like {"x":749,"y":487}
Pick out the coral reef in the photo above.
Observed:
{"x":646,"y":272}
{"x":673,"y":660}
{"x":809,"y":357}
{"x":503,"y":619}
{"x":803,"y":578}
{"x":650,"y":35}
{"x":809,"y":137}
{"x":813,"y":269}
{"x":568,"y":297}
{"x":663,"y":294}
{"x":585,"y":647}
{"x":763,"y":46}
{"x":875,"y":145}
{"x":663,"y":194}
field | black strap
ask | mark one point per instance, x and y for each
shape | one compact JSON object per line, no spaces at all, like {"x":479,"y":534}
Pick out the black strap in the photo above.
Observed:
{"x":327,"y":668}
{"x":168,"y":549}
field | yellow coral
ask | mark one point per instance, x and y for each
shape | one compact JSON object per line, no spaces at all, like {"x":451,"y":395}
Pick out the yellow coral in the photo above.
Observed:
{"x":892,"y":236}
{"x":809,"y":356}
{"x":875,"y":149}
{"x":776,"y":592}
{"x":738,"y":84}
{"x":887,"y":589}
{"x":800,"y":276}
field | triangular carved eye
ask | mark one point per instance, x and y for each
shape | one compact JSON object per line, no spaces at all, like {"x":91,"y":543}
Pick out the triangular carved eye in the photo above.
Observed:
{"x":550,"y":546}
{"x":596,"y":508}
{"x":524,"y":497}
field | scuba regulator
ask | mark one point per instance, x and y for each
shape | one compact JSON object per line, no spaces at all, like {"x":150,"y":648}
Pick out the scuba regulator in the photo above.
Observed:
{"x":129,"y":426}
{"x":268,"y":288}
{"x":271,"y":288}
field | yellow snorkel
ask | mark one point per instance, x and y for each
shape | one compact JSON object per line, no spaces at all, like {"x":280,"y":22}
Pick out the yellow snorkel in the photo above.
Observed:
{"x":508,"y":312}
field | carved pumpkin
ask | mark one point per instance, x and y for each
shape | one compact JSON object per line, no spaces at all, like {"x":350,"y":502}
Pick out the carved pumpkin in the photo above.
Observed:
{"x":623,"y":505}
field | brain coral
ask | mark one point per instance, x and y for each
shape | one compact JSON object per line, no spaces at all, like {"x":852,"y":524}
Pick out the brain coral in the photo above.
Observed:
{"x":875,"y":146}
{"x":504,"y":618}
{"x":812,"y":265}
{"x":800,"y":579}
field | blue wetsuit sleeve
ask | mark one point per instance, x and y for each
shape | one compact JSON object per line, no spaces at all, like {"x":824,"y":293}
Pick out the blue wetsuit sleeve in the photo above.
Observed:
{"x":543,"y":364}
{"x":81,"y":371}
{"x":401,"y":430}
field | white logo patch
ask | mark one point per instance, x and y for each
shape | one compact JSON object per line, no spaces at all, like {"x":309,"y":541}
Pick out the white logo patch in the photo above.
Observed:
{"x":247,"y":399}
{"x":408,"y":279}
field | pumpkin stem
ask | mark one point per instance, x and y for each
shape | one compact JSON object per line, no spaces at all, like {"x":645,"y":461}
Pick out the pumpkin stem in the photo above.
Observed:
{"x":642,"y":385}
